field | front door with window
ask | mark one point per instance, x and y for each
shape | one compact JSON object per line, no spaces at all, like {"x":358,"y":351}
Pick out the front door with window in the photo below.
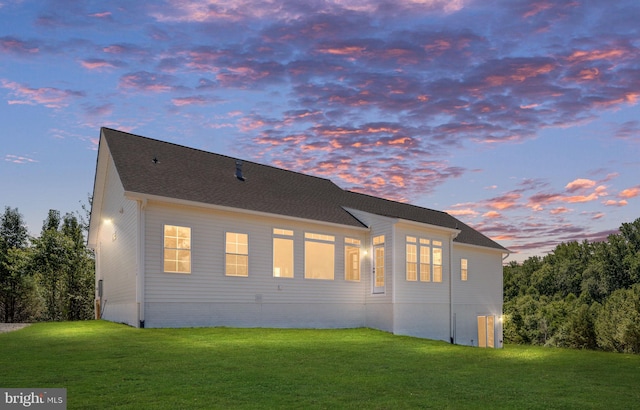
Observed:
{"x":378,"y":269}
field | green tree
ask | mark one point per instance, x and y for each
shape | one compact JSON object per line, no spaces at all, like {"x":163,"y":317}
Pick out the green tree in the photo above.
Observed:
{"x":65,"y":268}
{"x":617,"y":326}
{"x":80,"y":272}
{"x":51,"y":260}
{"x":15,"y":289}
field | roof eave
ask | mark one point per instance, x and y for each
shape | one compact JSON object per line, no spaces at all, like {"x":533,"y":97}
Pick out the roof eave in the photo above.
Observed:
{"x":137,"y":196}
{"x":102,"y":160}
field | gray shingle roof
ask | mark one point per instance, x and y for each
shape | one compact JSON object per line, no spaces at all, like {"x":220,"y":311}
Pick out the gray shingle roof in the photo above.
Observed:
{"x":195,"y":175}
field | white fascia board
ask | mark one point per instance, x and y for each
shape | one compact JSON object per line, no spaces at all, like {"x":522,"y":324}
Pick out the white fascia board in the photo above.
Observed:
{"x":156,"y":198}
{"x":102,"y":165}
{"x":484,"y":248}
{"x":450,"y":231}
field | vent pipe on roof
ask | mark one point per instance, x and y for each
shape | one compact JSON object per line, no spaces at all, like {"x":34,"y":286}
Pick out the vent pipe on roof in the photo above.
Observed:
{"x":239,"y":170}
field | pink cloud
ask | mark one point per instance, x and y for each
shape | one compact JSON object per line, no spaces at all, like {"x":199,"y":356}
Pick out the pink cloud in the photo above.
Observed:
{"x":48,"y":96}
{"x":578,"y":184}
{"x":193,"y":100}
{"x":492,"y":214}
{"x":612,"y":202}
{"x":19,"y":159}
{"x":102,"y":15}
{"x":592,"y":55}
{"x":13,"y":45}
{"x":630,"y":192}
{"x":580,"y":198}
{"x":503,"y":202}
{"x":146,"y":81}
{"x":462,"y":212}
{"x":98,"y":64}
{"x":559,"y":210}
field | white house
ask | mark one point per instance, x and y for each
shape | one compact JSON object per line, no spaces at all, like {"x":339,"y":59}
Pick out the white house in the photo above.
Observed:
{"x":188,"y":238}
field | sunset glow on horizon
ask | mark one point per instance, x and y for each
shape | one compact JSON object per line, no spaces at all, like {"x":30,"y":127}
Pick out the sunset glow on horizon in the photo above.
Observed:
{"x":520,"y":118}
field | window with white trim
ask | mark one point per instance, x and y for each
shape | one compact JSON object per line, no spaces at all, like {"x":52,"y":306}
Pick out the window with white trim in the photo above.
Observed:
{"x":425,"y":260}
{"x":237,"y":254}
{"x":437,"y":261}
{"x":463,"y":269}
{"x":282,"y":253}
{"x":352,"y":259}
{"x":319,"y":256}
{"x":177,"y":249}
{"x":412,"y":258}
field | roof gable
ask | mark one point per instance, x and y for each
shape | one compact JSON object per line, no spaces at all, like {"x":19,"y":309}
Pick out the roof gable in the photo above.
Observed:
{"x":156,"y":168}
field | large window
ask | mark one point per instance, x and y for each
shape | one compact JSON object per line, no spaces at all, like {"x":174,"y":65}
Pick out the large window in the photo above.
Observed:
{"x":352,"y":259}
{"x":319,"y":256}
{"x":412,"y":258}
{"x":237,"y":254}
{"x":177,"y":249}
{"x":282,"y":253}
{"x":437,"y":261}
{"x":425,"y":260}
{"x":463,"y":269}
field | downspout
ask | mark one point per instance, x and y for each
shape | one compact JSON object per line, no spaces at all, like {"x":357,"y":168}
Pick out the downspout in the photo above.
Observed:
{"x":451,"y":238}
{"x":142,"y":205}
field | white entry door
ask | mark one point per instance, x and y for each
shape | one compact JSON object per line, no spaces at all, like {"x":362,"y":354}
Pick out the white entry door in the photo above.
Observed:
{"x":378,"y":269}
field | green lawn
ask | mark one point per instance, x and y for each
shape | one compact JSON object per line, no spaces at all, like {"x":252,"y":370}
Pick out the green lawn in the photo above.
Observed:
{"x":106,"y":365}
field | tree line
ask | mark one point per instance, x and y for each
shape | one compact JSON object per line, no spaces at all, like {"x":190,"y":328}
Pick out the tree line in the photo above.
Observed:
{"x":49,"y":278}
{"x":581,"y":295}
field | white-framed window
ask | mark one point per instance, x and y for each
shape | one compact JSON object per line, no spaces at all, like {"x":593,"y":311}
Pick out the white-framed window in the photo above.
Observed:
{"x":437,"y":261}
{"x":412,"y":258}
{"x":282,"y":253}
{"x":237,"y":254}
{"x":319,"y":256}
{"x":177,"y":249}
{"x":425,"y":261}
{"x":464,"y":264}
{"x":352,"y":259}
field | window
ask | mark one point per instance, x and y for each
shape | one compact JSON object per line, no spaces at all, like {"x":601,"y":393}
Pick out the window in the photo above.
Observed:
{"x":378,"y":264}
{"x":282,"y":254}
{"x":437,"y":263}
{"x":412,"y":259}
{"x":319,"y":256}
{"x":177,"y":249}
{"x":352,"y":259}
{"x":463,"y":269}
{"x":237,"y":254}
{"x":425,"y":261}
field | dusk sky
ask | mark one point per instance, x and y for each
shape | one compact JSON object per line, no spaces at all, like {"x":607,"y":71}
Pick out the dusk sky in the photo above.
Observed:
{"x":520,"y":117}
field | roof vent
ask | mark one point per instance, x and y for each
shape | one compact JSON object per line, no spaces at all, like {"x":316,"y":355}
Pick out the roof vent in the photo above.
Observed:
{"x":239,"y":170}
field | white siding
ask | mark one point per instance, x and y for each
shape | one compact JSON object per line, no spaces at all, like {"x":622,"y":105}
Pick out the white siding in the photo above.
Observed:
{"x":117,"y":252}
{"x":480,"y":295}
{"x":421,"y":308}
{"x":207,"y":297}
{"x":379,"y":309}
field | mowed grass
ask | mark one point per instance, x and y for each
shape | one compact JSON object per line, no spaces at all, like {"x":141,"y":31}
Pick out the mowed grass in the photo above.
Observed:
{"x":106,"y":365}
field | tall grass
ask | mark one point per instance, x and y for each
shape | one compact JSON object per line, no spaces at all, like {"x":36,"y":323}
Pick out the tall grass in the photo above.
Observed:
{"x":106,"y":365}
